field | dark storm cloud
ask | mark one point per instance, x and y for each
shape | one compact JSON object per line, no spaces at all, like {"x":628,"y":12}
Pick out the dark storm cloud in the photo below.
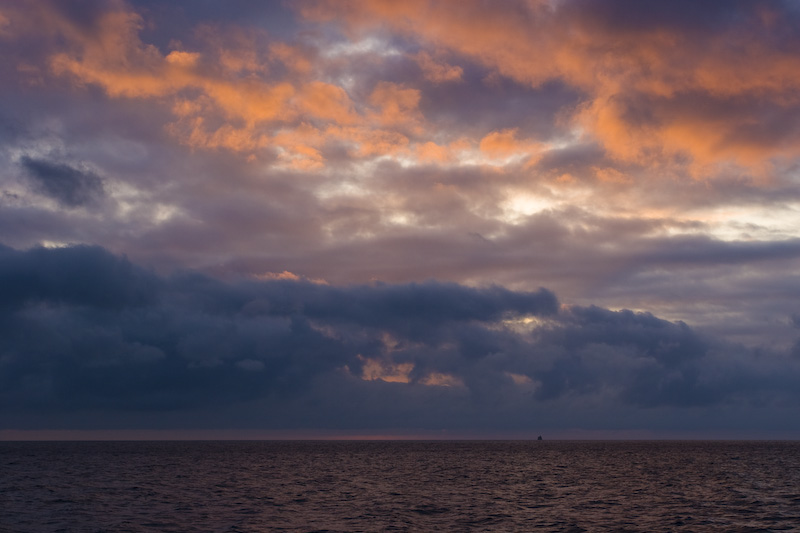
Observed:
{"x":84,"y":331}
{"x":78,"y":276}
{"x":69,"y":186}
{"x":657,"y":366}
{"x":117,"y":334}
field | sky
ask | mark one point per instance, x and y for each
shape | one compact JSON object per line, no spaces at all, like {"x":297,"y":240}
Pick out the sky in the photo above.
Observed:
{"x":371,"y":218}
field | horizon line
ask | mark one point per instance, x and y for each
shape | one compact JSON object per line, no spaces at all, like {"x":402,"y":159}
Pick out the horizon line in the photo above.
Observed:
{"x":142,"y":435}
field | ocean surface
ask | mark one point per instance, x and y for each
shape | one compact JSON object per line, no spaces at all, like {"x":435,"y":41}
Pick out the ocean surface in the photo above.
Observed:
{"x":400,"y":486}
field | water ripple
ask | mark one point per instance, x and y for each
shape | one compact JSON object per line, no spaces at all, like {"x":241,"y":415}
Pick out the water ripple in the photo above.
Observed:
{"x":399,"y":486}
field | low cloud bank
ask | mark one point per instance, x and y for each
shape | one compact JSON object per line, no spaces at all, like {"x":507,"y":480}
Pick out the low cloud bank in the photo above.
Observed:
{"x":89,"y":340}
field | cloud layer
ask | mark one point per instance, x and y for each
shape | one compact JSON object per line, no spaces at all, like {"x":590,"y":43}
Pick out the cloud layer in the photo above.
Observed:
{"x":91,"y":340}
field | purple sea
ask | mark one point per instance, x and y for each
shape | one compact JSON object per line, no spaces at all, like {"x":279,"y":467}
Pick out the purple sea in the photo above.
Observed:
{"x":399,"y":486}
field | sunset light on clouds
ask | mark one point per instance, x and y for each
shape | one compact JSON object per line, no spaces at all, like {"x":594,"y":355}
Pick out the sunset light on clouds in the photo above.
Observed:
{"x":483,"y":218}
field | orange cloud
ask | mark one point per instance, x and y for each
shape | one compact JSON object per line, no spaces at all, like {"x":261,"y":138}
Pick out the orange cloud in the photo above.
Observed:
{"x":519,"y":379}
{"x":118,"y":61}
{"x":301,"y":146}
{"x":504,"y":144}
{"x":222,"y":98}
{"x":533,"y":42}
{"x":438,"y":379}
{"x":303,"y":157}
{"x":376,"y":142}
{"x":182,"y":59}
{"x":649,"y":97}
{"x":397,"y":105}
{"x":500,"y":143}
{"x":431,"y":152}
{"x":292,"y":57}
{"x":374,"y":369}
{"x":327,"y":102}
{"x":437,"y":71}
{"x":285,"y":275}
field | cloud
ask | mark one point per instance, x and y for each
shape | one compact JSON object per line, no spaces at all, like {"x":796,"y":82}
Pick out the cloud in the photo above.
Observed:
{"x":650,"y":360}
{"x":240,"y":90}
{"x":224,"y":93}
{"x":75,"y":276}
{"x":644,"y":73}
{"x":69,"y":186}
{"x":648,"y":87}
{"x":122,"y":337}
{"x":437,"y":71}
{"x":89,"y":336}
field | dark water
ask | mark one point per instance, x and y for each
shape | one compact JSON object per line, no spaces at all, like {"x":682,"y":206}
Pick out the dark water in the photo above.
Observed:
{"x":398,"y":486}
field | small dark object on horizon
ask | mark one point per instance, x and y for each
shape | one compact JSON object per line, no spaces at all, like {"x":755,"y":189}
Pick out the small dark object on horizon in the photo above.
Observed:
{"x":540,"y":437}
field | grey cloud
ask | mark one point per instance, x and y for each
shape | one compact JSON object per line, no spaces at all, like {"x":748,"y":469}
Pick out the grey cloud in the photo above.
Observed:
{"x":574,"y":158}
{"x":70,"y":186}
{"x":479,"y":108}
{"x":89,"y":334}
{"x":91,"y":329}
{"x":80,"y":275}
{"x":650,"y":361}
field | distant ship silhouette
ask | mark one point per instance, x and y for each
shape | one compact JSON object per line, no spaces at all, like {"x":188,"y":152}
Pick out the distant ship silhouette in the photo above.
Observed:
{"x":540,"y":437}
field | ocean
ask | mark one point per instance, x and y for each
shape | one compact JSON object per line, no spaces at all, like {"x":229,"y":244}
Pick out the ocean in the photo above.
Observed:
{"x":400,"y":486}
